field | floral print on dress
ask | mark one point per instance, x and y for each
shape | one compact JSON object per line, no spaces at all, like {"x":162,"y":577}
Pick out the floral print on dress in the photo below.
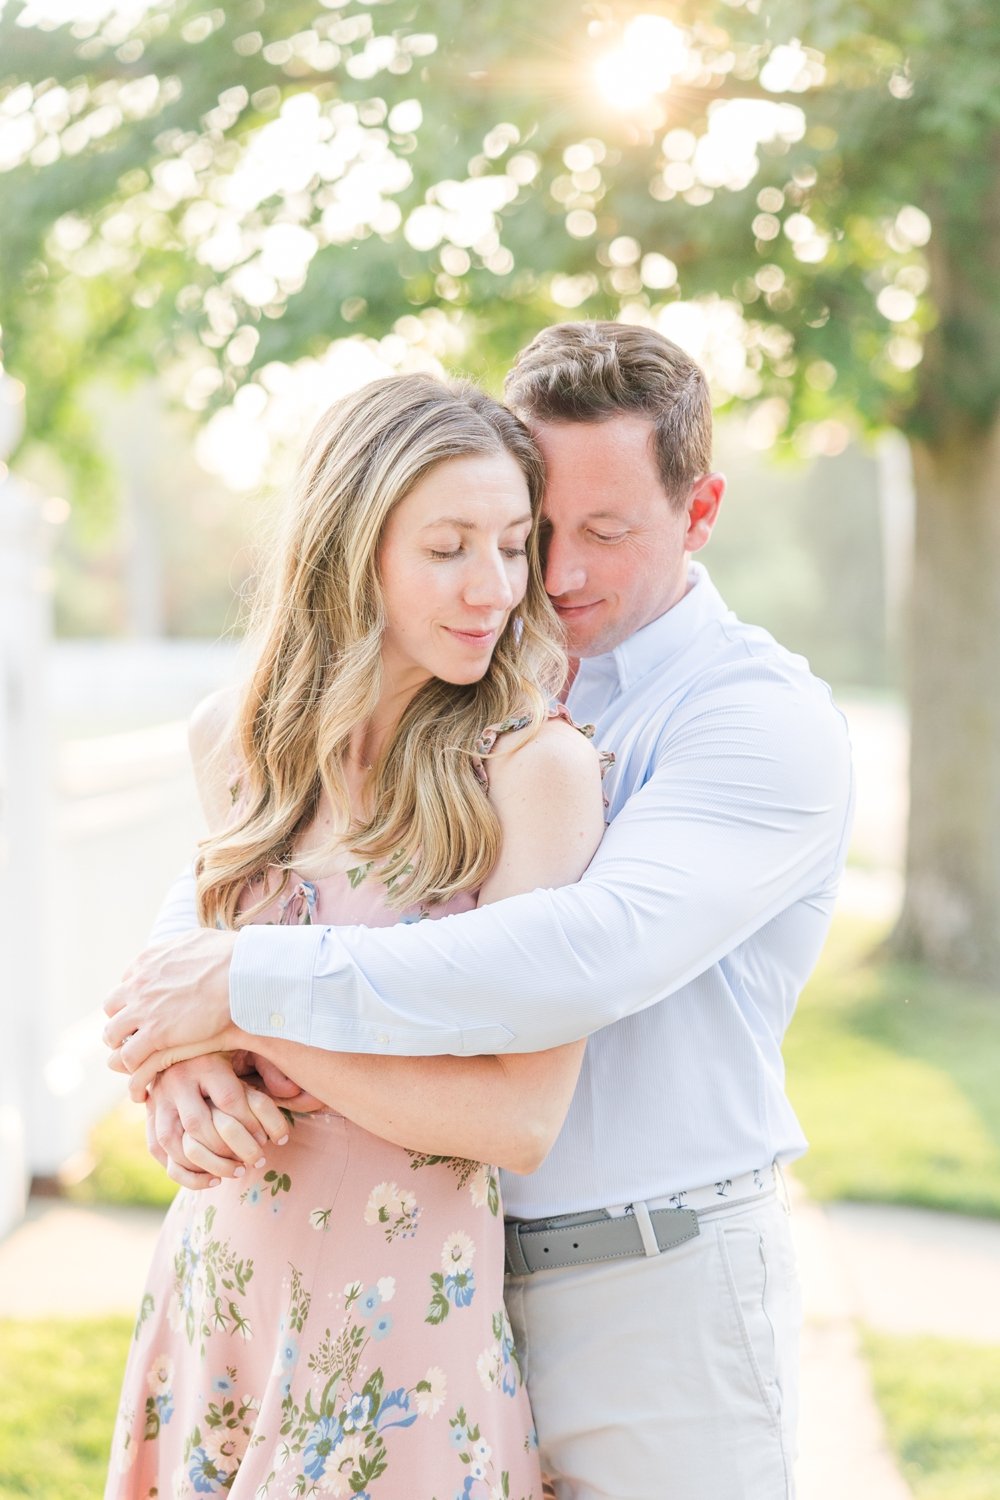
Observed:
{"x":481,"y":1180}
{"x":209,"y":1283}
{"x":261,"y":1371}
{"x":455,"y":1284}
{"x":331,"y":1324}
{"x":395,"y":1211}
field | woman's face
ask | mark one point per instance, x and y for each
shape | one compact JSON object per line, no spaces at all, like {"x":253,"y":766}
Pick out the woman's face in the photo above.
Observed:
{"x":453,"y":565}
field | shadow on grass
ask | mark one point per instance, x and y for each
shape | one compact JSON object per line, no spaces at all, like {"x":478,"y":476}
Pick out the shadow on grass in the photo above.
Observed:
{"x":893,"y":1073}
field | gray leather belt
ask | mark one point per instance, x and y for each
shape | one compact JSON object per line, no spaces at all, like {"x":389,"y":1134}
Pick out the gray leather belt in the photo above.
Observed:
{"x":583,"y":1239}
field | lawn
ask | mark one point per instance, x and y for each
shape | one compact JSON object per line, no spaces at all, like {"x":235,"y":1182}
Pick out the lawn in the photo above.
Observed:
{"x":124,"y":1171}
{"x":941,"y":1403}
{"x":59,"y":1382}
{"x":893,"y":1074}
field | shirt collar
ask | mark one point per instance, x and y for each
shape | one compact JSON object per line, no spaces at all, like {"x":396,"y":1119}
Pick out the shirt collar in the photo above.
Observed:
{"x":657,"y":644}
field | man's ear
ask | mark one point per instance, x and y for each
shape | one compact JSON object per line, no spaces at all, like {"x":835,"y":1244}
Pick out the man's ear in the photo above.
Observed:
{"x":703,"y":510}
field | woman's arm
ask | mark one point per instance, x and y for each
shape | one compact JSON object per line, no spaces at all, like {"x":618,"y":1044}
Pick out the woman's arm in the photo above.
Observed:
{"x":505,"y":1110}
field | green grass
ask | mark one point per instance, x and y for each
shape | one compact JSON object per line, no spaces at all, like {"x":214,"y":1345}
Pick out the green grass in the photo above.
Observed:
{"x":893,"y":1074}
{"x":941,"y":1403}
{"x":123,"y":1172}
{"x":59,"y":1383}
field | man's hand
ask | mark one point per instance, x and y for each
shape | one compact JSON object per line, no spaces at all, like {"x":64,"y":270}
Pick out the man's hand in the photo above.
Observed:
{"x":204,"y":1122}
{"x":173,"y":997}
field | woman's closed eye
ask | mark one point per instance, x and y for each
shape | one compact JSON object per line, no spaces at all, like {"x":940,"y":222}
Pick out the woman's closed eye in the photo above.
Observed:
{"x":507,"y":552}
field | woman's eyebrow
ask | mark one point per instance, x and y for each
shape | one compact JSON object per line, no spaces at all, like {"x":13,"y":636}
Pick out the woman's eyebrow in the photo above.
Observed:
{"x":464,"y":525}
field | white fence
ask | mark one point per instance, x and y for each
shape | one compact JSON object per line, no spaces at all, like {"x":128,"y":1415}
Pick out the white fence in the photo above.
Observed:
{"x":122,"y":820}
{"x":93,"y":826}
{"x":24,"y":638}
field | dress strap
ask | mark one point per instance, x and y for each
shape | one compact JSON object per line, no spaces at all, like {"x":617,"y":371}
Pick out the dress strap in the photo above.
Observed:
{"x":605,"y":757}
{"x":487,"y":740}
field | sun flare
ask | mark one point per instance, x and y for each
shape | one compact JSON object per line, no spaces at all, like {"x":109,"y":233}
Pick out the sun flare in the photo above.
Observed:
{"x":650,"y":55}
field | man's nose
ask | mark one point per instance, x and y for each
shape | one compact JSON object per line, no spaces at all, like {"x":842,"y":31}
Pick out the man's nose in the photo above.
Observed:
{"x":564,"y":570}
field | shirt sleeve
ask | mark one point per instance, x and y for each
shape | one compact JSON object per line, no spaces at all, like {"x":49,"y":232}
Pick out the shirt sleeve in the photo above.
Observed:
{"x":179,"y":910}
{"x":746,"y":810}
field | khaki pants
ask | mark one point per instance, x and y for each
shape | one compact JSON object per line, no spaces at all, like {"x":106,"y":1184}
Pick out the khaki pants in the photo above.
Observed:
{"x":672,"y":1377}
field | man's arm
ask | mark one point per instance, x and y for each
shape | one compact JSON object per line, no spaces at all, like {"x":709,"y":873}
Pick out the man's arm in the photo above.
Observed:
{"x":179,"y":912}
{"x":746,"y":812}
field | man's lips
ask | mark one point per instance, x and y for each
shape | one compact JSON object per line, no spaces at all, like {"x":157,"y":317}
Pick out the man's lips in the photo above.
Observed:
{"x":573,"y":609}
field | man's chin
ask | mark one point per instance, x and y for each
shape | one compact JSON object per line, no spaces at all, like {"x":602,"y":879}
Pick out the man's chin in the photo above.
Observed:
{"x":580,"y":638}
{"x":585,"y":646}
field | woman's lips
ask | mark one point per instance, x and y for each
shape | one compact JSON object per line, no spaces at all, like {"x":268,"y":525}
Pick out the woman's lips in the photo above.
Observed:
{"x":473,"y":637}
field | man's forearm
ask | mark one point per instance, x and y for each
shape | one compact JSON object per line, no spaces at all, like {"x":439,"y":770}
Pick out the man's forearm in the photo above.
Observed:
{"x":178,"y":912}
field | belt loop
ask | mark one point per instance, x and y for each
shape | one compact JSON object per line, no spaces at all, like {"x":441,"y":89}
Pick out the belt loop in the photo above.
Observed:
{"x":647,"y":1233}
{"x":516,"y":1263}
{"x":782,"y":1186}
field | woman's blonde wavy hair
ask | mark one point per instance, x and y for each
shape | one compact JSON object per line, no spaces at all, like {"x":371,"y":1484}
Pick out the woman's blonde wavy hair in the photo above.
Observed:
{"x":318,"y":674}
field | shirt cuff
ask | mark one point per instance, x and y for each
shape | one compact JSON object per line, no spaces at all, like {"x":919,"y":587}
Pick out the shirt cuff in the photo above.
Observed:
{"x":271,"y":980}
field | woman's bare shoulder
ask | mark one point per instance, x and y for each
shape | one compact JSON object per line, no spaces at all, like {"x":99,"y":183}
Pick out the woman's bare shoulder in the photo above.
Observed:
{"x":546,"y":790}
{"x":557,"y":748}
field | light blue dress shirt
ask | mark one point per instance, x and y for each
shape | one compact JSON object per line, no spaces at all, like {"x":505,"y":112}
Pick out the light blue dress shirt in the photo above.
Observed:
{"x":680,"y":953}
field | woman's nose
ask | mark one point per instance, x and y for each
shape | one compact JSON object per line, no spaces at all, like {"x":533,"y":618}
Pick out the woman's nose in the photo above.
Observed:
{"x":489,"y":586}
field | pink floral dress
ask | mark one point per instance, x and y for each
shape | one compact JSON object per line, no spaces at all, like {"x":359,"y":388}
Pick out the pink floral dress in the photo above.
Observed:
{"x":332,"y":1324}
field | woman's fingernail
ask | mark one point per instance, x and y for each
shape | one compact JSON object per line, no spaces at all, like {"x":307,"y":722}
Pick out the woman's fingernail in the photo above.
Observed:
{"x":283,"y":1141}
{"x":240,"y":1172}
{"x":215,"y":1182}
{"x":262,"y":1162}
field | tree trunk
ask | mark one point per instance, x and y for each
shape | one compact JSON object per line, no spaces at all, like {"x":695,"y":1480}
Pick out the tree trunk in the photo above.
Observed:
{"x":951,"y":910}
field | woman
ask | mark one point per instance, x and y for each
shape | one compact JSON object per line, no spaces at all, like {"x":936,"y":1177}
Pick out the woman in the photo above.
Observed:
{"x":337,"y":1327}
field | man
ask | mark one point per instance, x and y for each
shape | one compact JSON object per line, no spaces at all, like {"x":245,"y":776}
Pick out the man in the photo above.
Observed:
{"x":652,"y":1280}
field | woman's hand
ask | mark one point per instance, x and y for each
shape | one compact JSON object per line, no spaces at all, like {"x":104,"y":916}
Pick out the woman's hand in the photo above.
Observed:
{"x":203,"y":1122}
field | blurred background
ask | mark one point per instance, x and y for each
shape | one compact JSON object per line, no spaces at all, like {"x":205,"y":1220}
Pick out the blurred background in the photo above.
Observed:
{"x":215,"y":220}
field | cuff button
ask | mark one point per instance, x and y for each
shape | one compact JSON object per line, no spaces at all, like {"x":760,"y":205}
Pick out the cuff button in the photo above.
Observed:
{"x":277,"y":1020}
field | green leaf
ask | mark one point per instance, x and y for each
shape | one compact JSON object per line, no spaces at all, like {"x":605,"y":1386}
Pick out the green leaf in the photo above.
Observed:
{"x":438,"y":1309}
{"x":151,"y":1428}
{"x":373,"y":1387}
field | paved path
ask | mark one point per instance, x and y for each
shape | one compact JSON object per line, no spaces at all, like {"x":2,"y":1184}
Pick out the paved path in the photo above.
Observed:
{"x":67,"y":1260}
{"x":894,"y":1269}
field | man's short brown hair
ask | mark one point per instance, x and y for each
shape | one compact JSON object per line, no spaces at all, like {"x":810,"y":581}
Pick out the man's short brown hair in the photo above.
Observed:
{"x":590,"y":372}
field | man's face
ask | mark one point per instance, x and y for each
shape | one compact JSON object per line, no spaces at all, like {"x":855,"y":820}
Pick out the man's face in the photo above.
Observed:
{"x":615,"y":544}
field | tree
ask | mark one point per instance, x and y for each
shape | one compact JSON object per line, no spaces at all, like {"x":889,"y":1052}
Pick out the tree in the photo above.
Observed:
{"x":810,"y":190}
